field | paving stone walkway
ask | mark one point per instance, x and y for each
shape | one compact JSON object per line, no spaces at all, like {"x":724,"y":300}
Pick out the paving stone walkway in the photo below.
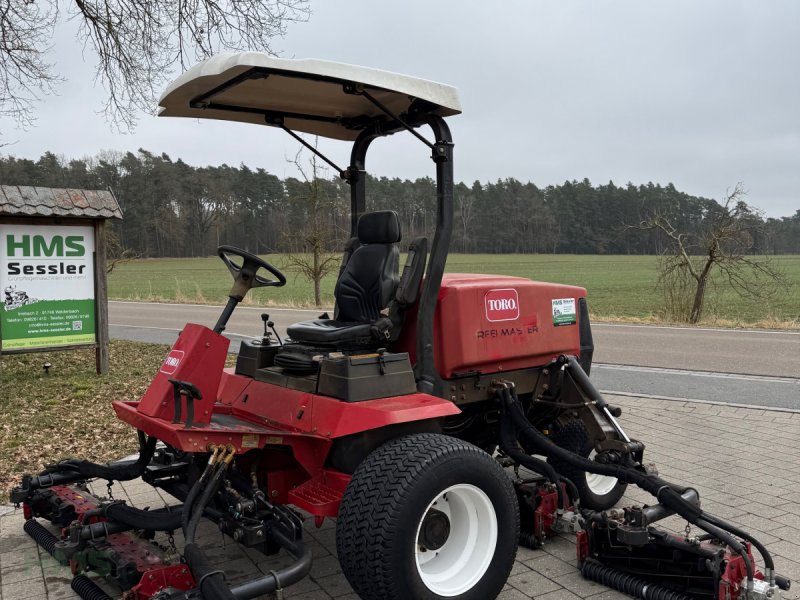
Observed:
{"x":745,"y":463}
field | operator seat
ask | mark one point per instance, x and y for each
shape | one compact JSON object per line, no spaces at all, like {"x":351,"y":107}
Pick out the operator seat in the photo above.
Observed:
{"x":367,"y":283}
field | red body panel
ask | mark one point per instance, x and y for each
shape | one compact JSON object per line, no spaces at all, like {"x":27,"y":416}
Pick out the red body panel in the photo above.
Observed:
{"x":292,"y":410}
{"x":176,"y":576}
{"x":264,"y":414}
{"x":251,"y":414}
{"x":733,"y":582}
{"x":490,"y":323}
{"x":310,"y":450}
{"x":331,"y":418}
{"x":198,"y":357}
{"x":293,"y":430}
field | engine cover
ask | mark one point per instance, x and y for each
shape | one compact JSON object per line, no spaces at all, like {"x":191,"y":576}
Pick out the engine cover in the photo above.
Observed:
{"x":492,"y":324}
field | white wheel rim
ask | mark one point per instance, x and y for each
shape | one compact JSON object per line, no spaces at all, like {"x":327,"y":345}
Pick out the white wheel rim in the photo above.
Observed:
{"x":465,"y":556}
{"x":599,"y":484}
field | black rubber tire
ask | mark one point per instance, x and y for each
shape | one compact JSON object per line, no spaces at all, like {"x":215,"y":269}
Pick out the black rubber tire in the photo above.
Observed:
{"x":573,"y":437}
{"x":386,"y":499}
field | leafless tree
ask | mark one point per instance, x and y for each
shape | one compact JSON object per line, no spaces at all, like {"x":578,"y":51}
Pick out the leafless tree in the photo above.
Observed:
{"x":315,"y":237}
{"x":137,"y":43}
{"x":116,"y":253}
{"x":466,"y":203}
{"x":25,"y":32}
{"x":722,"y":246}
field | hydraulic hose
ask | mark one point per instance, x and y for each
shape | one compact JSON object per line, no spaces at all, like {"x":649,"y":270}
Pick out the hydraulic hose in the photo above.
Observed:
{"x":728,"y":526}
{"x":190,"y":531}
{"x":96,"y":531}
{"x":122,"y":517}
{"x":281,"y":578}
{"x":213,"y":460}
{"x":735,"y":545}
{"x":667,"y":493}
{"x":120,"y":472}
{"x":72,"y":471}
{"x":210,"y":581}
{"x":664,"y":491}
{"x":510,"y":445}
{"x":191,"y":527}
{"x":152,"y":520}
{"x":651,"y":514}
{"x":189,"y":503}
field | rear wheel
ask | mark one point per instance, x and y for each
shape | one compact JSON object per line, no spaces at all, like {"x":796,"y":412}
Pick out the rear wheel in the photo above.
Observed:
{"x":428,"y":516}
{"x":597,"y":492}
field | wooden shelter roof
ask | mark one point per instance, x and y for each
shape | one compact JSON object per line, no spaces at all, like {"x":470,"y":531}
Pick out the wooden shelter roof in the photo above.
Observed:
{"x":26,"y":201}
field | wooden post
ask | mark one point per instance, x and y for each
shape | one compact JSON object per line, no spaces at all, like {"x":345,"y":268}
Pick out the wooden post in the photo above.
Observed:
{"x":101,"y":297}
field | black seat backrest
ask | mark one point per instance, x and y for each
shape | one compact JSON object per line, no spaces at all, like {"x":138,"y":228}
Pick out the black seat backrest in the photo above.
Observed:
{"x":369,"y":278}
{"x":411,"y":279}
{"x":409,"y":286}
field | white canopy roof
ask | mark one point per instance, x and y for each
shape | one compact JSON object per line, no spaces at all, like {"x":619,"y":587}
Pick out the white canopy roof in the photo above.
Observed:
{"x":307,"y":94}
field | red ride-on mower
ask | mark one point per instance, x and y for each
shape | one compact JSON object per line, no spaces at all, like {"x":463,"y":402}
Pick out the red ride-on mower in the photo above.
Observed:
{"x":441,"y":419}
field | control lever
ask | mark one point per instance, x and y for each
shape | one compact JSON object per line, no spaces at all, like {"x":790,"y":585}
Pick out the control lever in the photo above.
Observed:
{"x":271,"y":324}
{"x":265,"y":340}
{"x":180,"y":390}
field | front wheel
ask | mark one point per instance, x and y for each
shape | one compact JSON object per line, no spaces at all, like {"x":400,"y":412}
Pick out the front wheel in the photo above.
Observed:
{"x":597,"y":492}
{"x":427,"y":516}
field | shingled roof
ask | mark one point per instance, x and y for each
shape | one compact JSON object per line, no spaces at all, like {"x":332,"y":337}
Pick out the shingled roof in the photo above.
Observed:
{"x":25,"y":201}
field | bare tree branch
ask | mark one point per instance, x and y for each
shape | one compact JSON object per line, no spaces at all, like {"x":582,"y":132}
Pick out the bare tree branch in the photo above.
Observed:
{"x":137,"y":43}
{"x":315,"y":238}
{"x":722,"y":246}
{"x":26,"y":28}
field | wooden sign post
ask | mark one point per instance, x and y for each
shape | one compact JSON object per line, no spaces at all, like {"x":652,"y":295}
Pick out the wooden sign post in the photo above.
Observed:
{"x":53,"y":270}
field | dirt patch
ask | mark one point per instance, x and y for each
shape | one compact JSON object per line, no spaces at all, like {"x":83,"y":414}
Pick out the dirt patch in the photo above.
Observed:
{"x":68,"y":413}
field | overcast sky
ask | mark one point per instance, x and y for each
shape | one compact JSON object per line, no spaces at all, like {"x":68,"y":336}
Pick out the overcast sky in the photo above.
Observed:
{"x":700,"y":94}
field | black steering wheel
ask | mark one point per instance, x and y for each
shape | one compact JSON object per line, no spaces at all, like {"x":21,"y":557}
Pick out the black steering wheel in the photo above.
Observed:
{"x":245,"y":275}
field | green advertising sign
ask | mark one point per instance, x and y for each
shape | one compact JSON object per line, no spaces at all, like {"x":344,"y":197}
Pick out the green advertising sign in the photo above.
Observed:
{"x":564,"y":311}
{"x":47,"y":280}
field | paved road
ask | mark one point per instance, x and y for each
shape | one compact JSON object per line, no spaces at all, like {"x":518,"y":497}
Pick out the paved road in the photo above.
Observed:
{"x":743,"y":351}
{"x":728,"y":388}
{"x":748,"y":367}
{"x":170,"y":318}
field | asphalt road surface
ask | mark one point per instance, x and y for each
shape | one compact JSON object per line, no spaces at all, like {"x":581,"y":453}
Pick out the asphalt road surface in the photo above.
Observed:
{"x":747,"y":367}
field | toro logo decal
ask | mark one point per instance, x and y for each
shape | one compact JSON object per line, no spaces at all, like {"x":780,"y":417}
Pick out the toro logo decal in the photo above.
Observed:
{"x":172,"y":362}
{"x":502,"y":305}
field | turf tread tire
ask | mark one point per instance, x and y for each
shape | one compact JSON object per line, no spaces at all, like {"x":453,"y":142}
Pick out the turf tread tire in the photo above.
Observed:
{"x":573,"y":437}
{"x":371,"y":517}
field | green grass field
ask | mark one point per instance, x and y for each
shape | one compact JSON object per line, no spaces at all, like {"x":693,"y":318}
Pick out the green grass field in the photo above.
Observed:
{"x":618,"y":286}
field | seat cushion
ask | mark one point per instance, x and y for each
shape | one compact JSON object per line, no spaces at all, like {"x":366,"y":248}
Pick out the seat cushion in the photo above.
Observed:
{"x":328,"y":331}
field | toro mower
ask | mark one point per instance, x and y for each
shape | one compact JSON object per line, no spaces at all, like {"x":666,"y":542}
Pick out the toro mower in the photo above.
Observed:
{"x":440,"y":419}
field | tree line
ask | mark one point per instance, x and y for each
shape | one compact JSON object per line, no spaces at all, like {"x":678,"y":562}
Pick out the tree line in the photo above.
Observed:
{"x":175,"y":209}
